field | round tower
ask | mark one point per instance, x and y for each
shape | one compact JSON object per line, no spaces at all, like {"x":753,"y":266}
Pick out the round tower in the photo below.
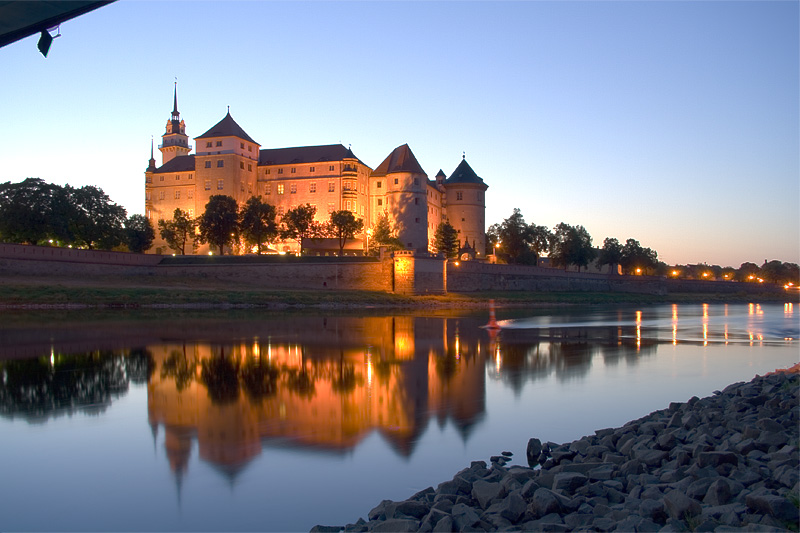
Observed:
{"x":405,"y":191}
{"x":465,"y":194}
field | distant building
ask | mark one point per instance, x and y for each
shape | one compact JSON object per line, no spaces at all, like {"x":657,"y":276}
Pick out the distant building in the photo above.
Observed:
{"x":329,"y":177}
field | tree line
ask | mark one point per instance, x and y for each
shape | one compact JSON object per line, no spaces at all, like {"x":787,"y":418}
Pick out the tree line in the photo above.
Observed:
{"x":224,"y":224}
{"x":516,"y":242}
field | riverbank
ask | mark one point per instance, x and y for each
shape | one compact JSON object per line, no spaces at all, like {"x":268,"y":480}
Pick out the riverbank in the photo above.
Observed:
{"x":60,"y":292}
{"x":728,"y":462}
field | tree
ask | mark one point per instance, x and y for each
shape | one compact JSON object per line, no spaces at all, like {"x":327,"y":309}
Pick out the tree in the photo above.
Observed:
{"x":520,"y":242}
{"x":179,"y":231}
{"x":219,"y":223}
{"x":748,"y":272}
{"x":775,"y":272}
{"x":139,"y":233}
{"x":384,"y":235}
{"x":94,"y":221}
{"x":27,"y":211}
{"x":257,"y":223}
{"x":610,"y":254}
{"x":343,"y":225}
{"x":571,"y":245}
{"x":298,"y":224}
{"x":446,"y":240}
{"x":634,"y":256}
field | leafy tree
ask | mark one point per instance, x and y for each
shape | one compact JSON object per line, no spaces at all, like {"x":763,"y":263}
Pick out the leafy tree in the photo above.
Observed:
{"x":94,"y":221}
{"x":220,"y":375}
{"x":776,"y":272}
{"x":635,"y":256}
{"x":492,"y":239}
{"x":446,"y":239}
{"x":520,"y":242}
{"x":257,"y":222}
{"x":27,"y":211}
{"x":219,"y":223}
{"x":748,"y":272}
{"x":139,"y":233}
{"x":384,"y":235}
{"x":611,"y":253}
{"x":343,"y":225}
{"x":179,"y":231}
{"x":571,"y":245}
{"x":298,"y":224}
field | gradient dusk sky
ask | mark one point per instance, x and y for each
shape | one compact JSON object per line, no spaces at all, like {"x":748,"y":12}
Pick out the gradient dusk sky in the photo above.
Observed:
{"x":676,"y":123}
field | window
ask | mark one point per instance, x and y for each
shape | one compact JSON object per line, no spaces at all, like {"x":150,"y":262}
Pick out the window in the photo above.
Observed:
{"x":241,"y":165}
{"x":219,"y":143}
{"x":220,"y":163}
{"x":293,"y":170}
{"x":380,"y":184}
{"x":178,"y":194}
{"x":161,"y":195}
{"x":416,"y":220}
{"x":293,"y":188}
{"x":380,"y":201}
{"x":395,"y":181}
{"x":191,"y":213}
{"x":249,"y":147}
{"x":177,"y":177}
{"x":330,"y":168}
{"x":331,"y":186}
{"x":241,"y":145}
{"x":190,"y":176}
{"x":220,"y":184}
{"x":362,"y":210}
{"x":331,"y":207}
{"x":416,"y":201}
{"x":161,"y":178}
{"x":280,"y":210}
{"x":268,"y":188}
{"x":312,"y":187}
{"x":249,"y":167}
{"x":149,"y":179}
{"x":462,"y":220}
{"x":147,"y":195}
{"x":266,"y":172}
{"x":459,"y":196}
{"x":311,"y":169}
{"x":190,"y":194}
{"x":280,"y":171}
{"x":348,"y":205}
{"x":208,"y":185}
{"x":416,"y":181}
{"x":280,"y":188}
{"x":208,"y":144}
{"x":208,"y":164}
{"x":346,"y":185}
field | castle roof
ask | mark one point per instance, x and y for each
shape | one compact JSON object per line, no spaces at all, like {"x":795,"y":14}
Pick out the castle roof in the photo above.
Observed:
{"x":227,"y":127}
{"x":304,"y":154}
{"x":400,"y":160}
{"x":181,"y":163}
{"x":463,"y":174}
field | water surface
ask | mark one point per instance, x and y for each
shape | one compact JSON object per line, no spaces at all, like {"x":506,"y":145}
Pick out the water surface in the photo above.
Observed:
{"x":269,"y":422}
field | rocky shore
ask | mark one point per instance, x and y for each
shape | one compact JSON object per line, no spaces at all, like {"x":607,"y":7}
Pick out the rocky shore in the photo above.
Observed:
{"x":728,"y":462}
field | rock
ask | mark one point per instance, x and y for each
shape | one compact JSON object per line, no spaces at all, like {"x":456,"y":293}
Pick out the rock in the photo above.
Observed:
{"x":765,"y":501}
{"x":717,"y":458}
{"x":544,"y":502}
{"x":411,"y":508}
{"x":445,"y":524}
{"x":651,"y":458}
{"x":719,"y":492}
{"x":396,"y":525}
{"x":379,"y":511}
{"x":679,"y":506}
{"x":484,"y":492}
{"x":326,"y":529}
{"x":464,"y":516}
{"x":569,"y":481}
{"x":514,"y":508}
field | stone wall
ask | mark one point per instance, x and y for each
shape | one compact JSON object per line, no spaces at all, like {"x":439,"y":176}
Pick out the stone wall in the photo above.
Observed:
{"x":471,"y":276}
{"x":72,"y":255}
{"x":419,"y":274}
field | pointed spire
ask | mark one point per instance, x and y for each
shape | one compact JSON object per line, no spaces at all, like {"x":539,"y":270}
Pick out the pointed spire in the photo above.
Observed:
{"x":175,"y":106}
{"x":152,"y":164}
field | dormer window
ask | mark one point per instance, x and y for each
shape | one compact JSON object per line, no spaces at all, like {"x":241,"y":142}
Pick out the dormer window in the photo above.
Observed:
{"x":219,"y":143}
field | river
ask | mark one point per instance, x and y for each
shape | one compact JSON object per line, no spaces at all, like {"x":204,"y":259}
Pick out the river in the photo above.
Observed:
{"x":243,"y":420}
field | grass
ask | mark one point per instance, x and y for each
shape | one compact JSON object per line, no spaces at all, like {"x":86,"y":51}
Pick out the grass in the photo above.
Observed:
{"x":137,"y":293}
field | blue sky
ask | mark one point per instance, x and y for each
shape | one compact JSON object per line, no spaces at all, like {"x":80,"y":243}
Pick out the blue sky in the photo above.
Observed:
{"x":675,"y":123}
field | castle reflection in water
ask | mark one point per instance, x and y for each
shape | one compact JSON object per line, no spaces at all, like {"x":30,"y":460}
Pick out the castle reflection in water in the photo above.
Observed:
{"x":327,"y":383}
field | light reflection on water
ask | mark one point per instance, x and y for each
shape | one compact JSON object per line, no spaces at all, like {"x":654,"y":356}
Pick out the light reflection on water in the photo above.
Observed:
{"x":283,"y":423}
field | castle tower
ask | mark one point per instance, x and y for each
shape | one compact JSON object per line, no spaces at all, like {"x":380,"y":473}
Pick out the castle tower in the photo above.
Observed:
{"x":175,"y":141}
{"x":465,"y":194}
{"x":405,"y":192}
{"x":226,"y":162}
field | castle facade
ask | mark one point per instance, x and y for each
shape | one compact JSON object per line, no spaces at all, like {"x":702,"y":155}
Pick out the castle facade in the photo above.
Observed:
{"x":329,"y":177}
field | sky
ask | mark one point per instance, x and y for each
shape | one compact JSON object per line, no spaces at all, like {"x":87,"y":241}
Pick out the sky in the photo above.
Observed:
{"x":676,"y":123}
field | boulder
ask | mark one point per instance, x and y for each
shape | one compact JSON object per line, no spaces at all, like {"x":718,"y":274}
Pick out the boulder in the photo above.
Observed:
{"x":679,"y":506}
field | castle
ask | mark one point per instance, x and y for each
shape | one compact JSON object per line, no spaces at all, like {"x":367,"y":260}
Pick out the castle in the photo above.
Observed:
{"x":329,"y":177}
